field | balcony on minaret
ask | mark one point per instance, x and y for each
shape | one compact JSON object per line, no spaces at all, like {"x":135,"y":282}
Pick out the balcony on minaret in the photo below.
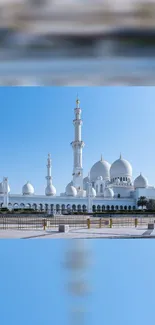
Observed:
{"x":80,"y":144}
{"x":77,"y":122}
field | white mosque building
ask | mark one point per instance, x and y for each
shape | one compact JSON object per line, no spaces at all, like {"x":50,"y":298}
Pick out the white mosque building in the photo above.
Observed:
{"x":107,"y":187}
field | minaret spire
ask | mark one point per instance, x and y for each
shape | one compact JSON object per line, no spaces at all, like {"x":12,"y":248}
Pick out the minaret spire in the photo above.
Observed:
{"x":78,"y":146}
{"x":49,"y":168}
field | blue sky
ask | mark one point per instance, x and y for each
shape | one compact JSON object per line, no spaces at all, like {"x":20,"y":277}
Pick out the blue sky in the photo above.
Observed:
{"x":33,"y":286}
{"x":38,"y":120}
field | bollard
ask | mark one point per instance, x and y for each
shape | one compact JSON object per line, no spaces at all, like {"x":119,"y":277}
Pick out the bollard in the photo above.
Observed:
{"x":44,"y":224}
{"x":100,"y":223}
{"x":136,"y":222}
{"x":110,"y":223}
{"x":88,"y":223}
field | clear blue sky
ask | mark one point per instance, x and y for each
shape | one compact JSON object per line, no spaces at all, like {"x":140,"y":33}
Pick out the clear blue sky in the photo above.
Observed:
{"x":33,"y":286}
{"x":38,"y":120}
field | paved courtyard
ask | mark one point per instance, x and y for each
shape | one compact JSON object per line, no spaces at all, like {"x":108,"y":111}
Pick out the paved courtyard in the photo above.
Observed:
{"x":81,"y":233}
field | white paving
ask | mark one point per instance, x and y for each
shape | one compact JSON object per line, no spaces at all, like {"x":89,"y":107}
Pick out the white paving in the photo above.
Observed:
{"x":75,"y":233}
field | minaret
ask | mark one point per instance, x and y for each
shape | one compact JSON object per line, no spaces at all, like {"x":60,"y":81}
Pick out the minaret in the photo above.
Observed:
{"x":49,"y":167}
{"x":6,"y":192}
{"x":77,"y":146}
{"x":89,"y":207}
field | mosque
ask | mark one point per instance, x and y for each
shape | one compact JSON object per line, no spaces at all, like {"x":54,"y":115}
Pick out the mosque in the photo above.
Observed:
{"x":107,"y":187}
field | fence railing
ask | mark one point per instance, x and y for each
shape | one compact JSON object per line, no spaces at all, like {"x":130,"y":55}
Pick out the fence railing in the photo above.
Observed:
{"x":30,"y":223}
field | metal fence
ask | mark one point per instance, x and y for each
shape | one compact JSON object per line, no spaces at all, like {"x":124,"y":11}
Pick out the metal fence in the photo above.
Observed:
{"x":30,"y":223}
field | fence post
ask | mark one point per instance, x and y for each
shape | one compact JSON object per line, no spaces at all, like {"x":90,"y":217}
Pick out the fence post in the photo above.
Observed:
{"x":110,"y":222}
{"x":100,"y":223}
{"x":88,"y":223}
{"x":136,"y":222}
{"x":44,"y":224}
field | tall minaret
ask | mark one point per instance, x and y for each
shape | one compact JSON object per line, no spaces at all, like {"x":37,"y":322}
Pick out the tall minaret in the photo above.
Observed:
{"x":49,"y":166}
{"x":77,"y":146}
{"x":6,"y":192}
{"x":89,"y":207}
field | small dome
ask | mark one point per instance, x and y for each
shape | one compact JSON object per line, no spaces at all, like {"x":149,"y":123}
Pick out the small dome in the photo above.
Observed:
{"x":121,"y":168}
{"x":71,"y":190}
{"x":82,"y":193}
{"x":101,"y":168}
{"x":2,"y":188}
{"x":92,"y":192}
{"x":108,"y":193}
{"x":85,"y":183}
{"x":140,"y":182}
{"x":50,"y":190}
{"x":28,"y":189}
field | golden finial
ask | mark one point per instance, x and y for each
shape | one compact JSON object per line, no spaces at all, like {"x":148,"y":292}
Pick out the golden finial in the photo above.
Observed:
{"x":101,"y":157}
{"x":120,"y":156}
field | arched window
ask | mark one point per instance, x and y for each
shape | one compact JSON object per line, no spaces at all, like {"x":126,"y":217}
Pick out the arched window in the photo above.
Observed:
{"x":46,"y":207}
{"x":16,"y":206}
{"x":68,"y":208}
{"x":58,"y":208}
{"x":63,"y":208}
{"x":101,"y":188}
{"x":84,"y":208}
{"x":74,"y":208}
{"x":22,"y":206}
{"x":121,"y":179}
{"x":79,"y":208}
{"x":129,"y":208}
{"x":96,"y":188}
{"x":103,"y":208}
{"x":40,"y":207}
{"x":34,"y":206}
{"x":28,"y":206}
{"x":118,"y":196}
{"x":98,"y":208}
{"x":112,"y":207}
{"x":121,"y":207}
{"x":116,"y":207}
{"x":108,"y":207}
{"x":125,"y":208}
{"x":94,"y":208}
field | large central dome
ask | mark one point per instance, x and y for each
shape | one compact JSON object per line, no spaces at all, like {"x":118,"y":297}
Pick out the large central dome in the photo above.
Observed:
{"x":121,"y":168}
{"x":101,"y":168}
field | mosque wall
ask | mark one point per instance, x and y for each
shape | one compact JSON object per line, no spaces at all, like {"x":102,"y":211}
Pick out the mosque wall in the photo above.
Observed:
{"x":58,"y":204}
{"x":149,"y":193}
{"x":124,"y":192}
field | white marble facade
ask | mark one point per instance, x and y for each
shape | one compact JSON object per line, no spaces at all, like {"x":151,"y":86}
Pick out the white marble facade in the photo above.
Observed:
{"x":107,"y":187}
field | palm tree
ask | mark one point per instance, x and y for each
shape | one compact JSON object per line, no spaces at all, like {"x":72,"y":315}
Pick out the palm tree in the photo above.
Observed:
{"x":142,"y":201}
{"x":151,"y":205}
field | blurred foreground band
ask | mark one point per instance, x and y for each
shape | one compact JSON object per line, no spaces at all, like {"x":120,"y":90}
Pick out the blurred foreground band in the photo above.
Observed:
{"x":77,"y":42}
